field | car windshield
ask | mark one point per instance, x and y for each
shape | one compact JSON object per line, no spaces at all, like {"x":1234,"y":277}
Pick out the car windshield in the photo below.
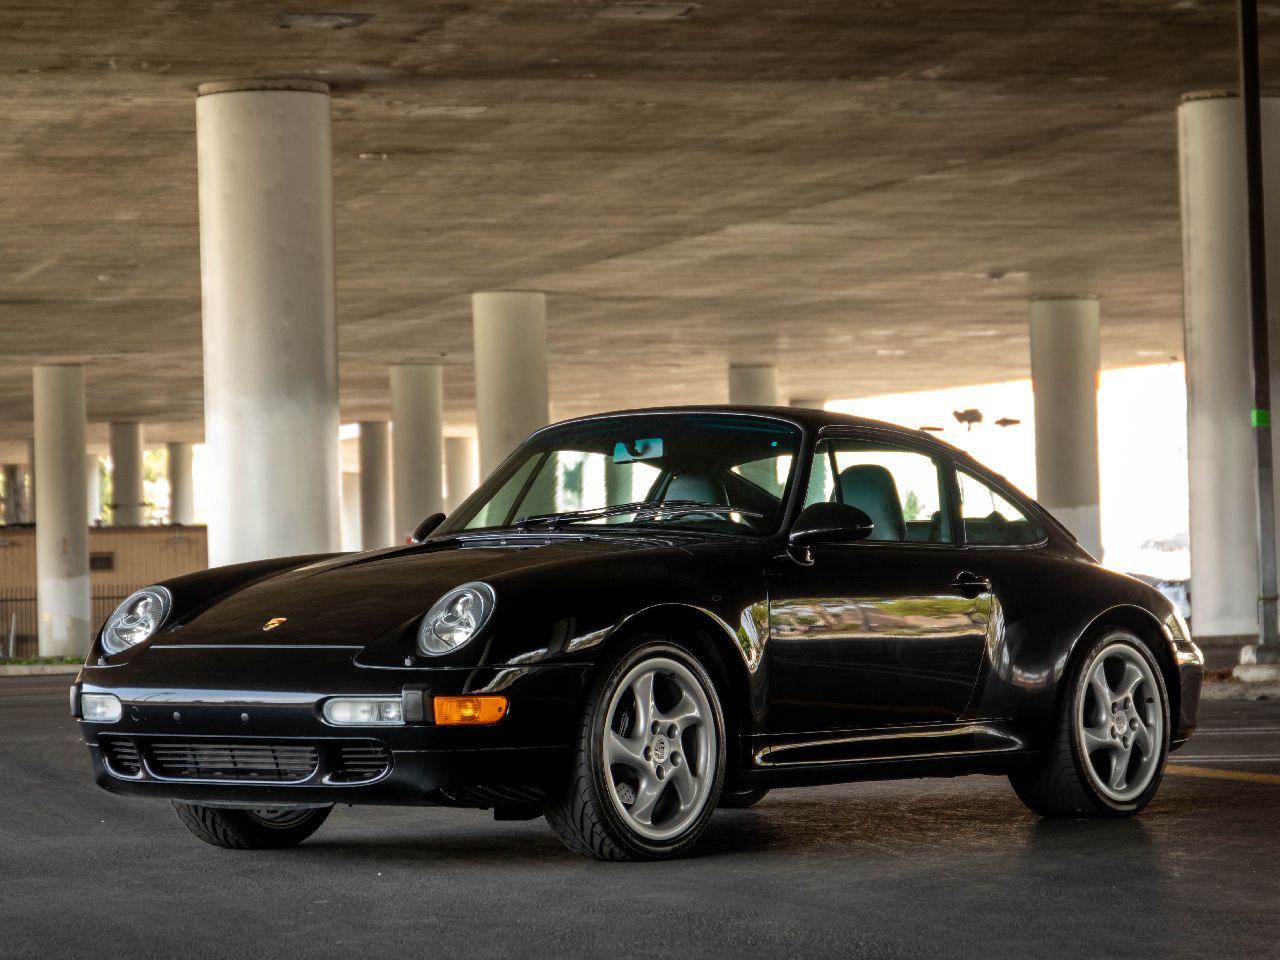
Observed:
{"x":719,"y":472}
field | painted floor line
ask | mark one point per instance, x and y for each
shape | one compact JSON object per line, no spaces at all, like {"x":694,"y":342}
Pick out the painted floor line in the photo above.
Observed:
{"x":1234,"y":731}
{"x":1208,"y":773}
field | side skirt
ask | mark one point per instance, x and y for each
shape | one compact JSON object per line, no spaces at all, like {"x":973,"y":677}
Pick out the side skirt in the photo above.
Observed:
{"x":933,"y":750}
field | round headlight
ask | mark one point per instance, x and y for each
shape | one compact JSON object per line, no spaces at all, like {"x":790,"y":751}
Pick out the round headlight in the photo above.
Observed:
{"x":455,"y":618}
{"x":141,"y":615}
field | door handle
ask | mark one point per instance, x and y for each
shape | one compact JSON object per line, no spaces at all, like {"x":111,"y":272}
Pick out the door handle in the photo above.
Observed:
{"x":971,"y":584}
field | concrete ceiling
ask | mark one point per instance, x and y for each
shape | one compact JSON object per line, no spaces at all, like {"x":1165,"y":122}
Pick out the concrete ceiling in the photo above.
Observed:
{"x":865,"y":193}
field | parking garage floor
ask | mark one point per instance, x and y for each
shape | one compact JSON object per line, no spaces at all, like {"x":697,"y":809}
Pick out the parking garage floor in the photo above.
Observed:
{"x":910,"y":869}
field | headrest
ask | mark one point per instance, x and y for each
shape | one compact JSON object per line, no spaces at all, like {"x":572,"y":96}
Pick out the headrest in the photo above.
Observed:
{"x":697,"y":487}
{"x":871,"y":488}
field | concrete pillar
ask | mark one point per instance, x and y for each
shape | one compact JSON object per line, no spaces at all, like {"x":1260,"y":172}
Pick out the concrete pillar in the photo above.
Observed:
{"x":1065,"y":357}
{"x":510,"y":331}
{"x":417,"y":444}
{"x":62,"y":536}
{"x":808,"y":403}
{"x":376,"y":520}
{"x":349,"y":527}
{"x":753,"y":384}
{"x":15,"y":493}
{"x":182,"y":503}
{"x":93,"y":488}
{"x":29,"y":508}
{"x":462,"y":470}
{"x":127,"y":506}
{"x":1224,"y":516}
{"x":270,"y":341}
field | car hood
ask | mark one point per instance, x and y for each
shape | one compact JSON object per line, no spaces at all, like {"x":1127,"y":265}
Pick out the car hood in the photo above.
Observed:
{"x":352,"y":599}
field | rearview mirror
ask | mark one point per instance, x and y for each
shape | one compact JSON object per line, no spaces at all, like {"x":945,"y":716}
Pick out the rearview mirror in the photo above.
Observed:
{"x":423,"y":530}
{"x":830,"y":523}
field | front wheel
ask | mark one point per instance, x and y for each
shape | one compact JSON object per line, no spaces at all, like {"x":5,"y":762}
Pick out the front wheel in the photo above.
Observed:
{"x":1111,"y":736}
{"x":268,"y":828}
{"x":649,"y":759}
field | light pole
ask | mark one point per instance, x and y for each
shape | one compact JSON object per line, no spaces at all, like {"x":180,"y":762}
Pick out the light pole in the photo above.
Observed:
{"x":1250,"y":98}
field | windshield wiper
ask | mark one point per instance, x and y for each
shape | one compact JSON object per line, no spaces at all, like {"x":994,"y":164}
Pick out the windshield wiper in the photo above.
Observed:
{"x":643,"y":510}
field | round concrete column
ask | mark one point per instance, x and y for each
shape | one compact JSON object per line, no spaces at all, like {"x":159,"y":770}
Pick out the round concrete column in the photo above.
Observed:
{"x":510,"y":330}
{"x":127,"y":498}
{"x":182,"y":504}
{"x":29,"y":508}
{"x":461,"y":469}
{"x":349,"y":513}
{"x":15,"y":498}
{"x":62,"y":535}
{"x":93,"y":488}
{"x":376,"y":522}
{"x":270,"y":342}
{"x":1224,"y":515}
{"x":1065,"y":357}
{"x":417,"y":444}
{"x":754,"y":385}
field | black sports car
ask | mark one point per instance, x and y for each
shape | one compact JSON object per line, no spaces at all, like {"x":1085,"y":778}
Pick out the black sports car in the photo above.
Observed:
{"x":641,"y":616}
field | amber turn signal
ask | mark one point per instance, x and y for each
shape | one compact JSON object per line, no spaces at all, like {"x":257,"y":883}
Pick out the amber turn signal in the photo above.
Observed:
{"x":460,"y":710}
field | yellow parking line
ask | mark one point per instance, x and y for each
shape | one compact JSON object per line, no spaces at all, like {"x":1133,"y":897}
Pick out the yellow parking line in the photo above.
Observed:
{"x":1210,"y":773}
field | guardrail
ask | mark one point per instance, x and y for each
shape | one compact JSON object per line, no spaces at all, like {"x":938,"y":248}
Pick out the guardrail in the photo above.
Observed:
{"x":20,"y":617}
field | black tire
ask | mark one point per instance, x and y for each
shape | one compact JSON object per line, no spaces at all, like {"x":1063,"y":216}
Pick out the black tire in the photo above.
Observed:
{"x":236,"y":829}
{"x":584,"y":814}
{"x":1065,"y":781}
{"x":742,"y":799}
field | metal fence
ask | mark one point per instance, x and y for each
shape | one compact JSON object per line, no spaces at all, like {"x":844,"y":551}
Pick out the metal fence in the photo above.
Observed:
{"x":19,"y":618}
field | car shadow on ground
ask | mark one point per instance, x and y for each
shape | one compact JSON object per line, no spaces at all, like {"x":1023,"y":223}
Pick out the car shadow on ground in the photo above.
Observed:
{"x":864,"y":828}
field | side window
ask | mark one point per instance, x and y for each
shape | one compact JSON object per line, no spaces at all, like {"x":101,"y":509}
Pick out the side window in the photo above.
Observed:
{"x":900,"y":490}
{"x":991,"y":519}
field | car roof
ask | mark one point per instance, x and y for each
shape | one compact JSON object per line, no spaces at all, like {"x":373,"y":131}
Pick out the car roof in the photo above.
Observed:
{"x":808,"y":417}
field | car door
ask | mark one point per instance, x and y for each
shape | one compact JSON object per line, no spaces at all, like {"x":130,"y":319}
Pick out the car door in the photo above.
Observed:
{"x":885,"y":631}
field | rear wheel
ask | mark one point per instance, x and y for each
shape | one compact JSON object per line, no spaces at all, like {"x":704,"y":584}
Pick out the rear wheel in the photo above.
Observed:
{"x":1111,"y":736}
{"x":649,"y":759}
{"x":265,"y":828}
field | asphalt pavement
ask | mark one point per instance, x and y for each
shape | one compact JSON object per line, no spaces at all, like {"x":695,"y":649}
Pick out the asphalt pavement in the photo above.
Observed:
{"x":943,"y":868}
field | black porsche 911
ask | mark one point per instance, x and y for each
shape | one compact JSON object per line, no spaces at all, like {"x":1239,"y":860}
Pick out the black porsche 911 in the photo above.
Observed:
{"x":640,"y":617}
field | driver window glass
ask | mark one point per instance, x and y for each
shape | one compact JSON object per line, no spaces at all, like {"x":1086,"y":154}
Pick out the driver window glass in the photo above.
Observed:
{"x":901,"y":490}
{"x":991,"y":519}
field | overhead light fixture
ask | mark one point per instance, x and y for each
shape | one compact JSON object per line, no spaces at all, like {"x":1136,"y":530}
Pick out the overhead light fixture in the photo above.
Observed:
{"x":322,"y":21}
{"x":647,"y":11}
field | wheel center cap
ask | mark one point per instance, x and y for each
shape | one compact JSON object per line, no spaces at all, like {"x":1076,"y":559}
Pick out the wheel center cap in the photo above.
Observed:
{"x":660,"y":748}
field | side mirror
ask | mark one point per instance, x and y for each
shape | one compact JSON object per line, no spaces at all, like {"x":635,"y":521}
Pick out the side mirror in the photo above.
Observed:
{"x":423,"y":530}
{"x":830,"y":523}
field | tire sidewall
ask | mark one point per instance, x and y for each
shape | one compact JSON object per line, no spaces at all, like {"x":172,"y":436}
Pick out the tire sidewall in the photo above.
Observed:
{"x":1079,"y":686}
{"x":642,"y":847}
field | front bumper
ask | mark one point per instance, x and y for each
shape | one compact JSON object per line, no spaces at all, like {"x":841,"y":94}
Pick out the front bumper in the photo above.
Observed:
{"x":183,"y":705}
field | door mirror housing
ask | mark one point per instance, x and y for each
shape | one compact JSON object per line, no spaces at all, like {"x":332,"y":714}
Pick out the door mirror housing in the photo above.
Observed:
{"x":423,"y":530}
{"x":828,"y":522}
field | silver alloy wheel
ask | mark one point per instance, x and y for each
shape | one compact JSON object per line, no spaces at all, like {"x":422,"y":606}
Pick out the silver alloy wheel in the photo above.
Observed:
{"x":280,"y":818}
{"x":1120,"y":722}
{"x":659,"y":748}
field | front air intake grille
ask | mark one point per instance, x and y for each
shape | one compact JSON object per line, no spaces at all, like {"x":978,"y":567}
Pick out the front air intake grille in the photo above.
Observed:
{"x":360,"y":763}
{"x":122,"y":757}
{"x":245,"y":762}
